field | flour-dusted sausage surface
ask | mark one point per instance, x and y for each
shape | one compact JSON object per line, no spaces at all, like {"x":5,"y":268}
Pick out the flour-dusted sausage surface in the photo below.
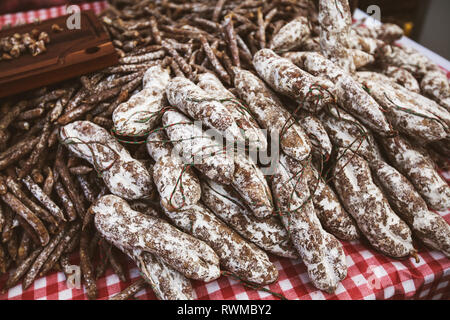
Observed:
{"x":368,"y":205}
{"x":317,"y":135}
{"x":195,"y":102}
{"x":435,"y":85}
{"x":271,"y":115}
{"x":347,"y":132}
{"x":329,"y":210}
{"x":387,"y":32}
{"x":405,"y":115}
{"x":291,"y":35}
{"x":142,"y":111}
{"x":177,"y":184}
{"x":130,"y":229}
{"x":199,"y":148}
{"x":244,"y":119}
{"x":268,"y":234}
{"x":335,"y":20}
{"x":428,"y":226}
{"x":236,"y":255}
{"x":250,"y":183}
{"x":124,"y":176}
{"x":349,"y":93}
{"x":286,"y":78}
{"x":166,"y":282}
{"x":420,"y":170}
{"x":321,"y":252}
{"x":403,"y":78}
{"x":405,"y":58}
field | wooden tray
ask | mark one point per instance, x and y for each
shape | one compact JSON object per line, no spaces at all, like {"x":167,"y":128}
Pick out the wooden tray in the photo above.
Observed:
{"x":70,"y":53}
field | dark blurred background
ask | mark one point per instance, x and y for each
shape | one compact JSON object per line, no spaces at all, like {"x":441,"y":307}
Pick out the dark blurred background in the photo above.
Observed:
{"x":425,"y":21}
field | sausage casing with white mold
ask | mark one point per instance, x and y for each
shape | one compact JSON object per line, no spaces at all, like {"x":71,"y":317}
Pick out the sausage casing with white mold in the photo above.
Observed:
{"x":268,"y":234}
{"x":236,"y":255}
{"x":286,"y":78}
{"x":250,"y":183}
{"x":124,"y":227}
{"x":320,"y":251}
{"x":428,"y":226}
{"x":198,"y":147}
{"x":349,"y":93}
{"x":166,"y":282}
{"x":177,"y":184}
{"x":368,"y":205}
{"x":140,"y":113}
{"x":249,"y":127}
{"x":123,"y":175}
{"x":271,"y":115}
{"x":292,"y":35}
{"x":329,"y":210}
{"x":195,"y":102}
{"x":418,"y":167}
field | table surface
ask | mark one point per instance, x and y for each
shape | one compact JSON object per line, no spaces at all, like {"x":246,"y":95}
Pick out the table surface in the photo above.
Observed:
{"x":370,"y":274}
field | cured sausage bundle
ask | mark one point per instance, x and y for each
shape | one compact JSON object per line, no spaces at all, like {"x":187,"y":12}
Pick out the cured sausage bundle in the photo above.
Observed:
{"x":244,"y":119}
{"x":169,"y":113}
{"x":406,"y":116}
{"x":418,"y":167}
{"x":141,"y":112}
{"x":329,"y":210}
{"x":166,"y":282}
{"x":250,"y":183}
{"x":428,"y":226}
{"x":291,"y":35}
{"x":271,"y":115}
{"x":317,"y":135}
{"x":286,"y":78}
{"x":198,"y":148}
{"x":196,"y":103}
{"x":177,"y":184}
{"x":349,"y":94}
{"x":335,"y":20}
{"x":320,"y":251}
{"x":368,"y":205}
{"x":267,"y":234}
{"x":124,"y":176}
{"x":236,"y":255}
{"x":126,"y":228}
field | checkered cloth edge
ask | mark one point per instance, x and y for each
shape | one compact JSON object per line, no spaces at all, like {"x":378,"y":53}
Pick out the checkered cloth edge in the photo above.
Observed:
{"x":370,"y":274}
{"x":44,"y":14}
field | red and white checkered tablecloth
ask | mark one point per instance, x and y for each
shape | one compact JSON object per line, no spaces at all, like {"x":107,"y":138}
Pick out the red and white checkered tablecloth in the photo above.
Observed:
{"x":370,"y":274}
{"x":44,"y":14}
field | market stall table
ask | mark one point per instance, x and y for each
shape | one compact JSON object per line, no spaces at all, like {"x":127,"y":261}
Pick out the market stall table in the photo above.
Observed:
{"x":371,"y":275}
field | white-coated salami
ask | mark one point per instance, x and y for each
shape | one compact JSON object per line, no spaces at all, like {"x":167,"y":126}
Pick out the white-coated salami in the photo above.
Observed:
{"x":177,"y":184}
{"x":249,"y":127}
{"x":349,"y":93}
{"x":123,"y":175}
{"x":268,"y":234}
{"x":420,"y":170}
{"x":291,"y":35}
{"x":195,"y":102}
{"x":320,"y":251}
{"x":141,"y":112}
{"x":271,"y":115}
{"x":236,"y":255}
{"x":124,"y":227}
{"x":198,"y":148}
{"x":367,"y":204}
{"x":428,"y":226}
{"x":286,"y":78}
{"x":250,"y":183}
